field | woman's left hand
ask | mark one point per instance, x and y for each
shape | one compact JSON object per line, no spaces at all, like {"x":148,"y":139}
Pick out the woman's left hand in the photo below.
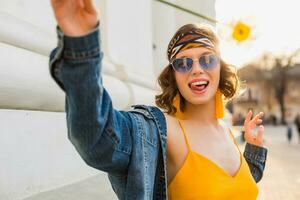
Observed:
{"x":251,"y":124}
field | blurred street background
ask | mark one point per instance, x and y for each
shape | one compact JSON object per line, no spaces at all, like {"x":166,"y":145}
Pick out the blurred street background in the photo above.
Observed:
{"x":260,"y":38}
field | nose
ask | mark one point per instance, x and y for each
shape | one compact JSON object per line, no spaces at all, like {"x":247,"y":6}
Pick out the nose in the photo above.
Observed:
{"x":196,"y":69}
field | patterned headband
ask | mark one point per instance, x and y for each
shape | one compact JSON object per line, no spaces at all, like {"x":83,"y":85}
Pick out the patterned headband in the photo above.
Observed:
{"x":188,"y":40}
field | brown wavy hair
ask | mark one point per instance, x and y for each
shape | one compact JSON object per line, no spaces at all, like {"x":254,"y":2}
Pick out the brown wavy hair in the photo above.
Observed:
{"x":229,"y":82}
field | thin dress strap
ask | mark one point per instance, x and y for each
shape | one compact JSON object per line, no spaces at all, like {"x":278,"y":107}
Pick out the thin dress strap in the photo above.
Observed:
{"x":185,"y":137}
{"x":230,"y":132}
{"x":234,"y":140}
{"x":188,"y":144}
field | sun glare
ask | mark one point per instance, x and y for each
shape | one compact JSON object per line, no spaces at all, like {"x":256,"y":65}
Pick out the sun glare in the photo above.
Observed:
{"x":274,"y":25}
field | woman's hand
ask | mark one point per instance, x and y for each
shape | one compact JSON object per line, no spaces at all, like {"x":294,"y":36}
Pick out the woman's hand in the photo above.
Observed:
{"x":75,"y":17}
{"x":249,"y":125}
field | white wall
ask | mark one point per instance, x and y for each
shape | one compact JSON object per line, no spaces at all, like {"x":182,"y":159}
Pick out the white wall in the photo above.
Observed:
{"x":130,"y":35}
{"x":131,"y":62}
{"x":34,"y":150}
{"x":164,"y":27}
{"x":166,"y":21}
{"x":35,"y":153}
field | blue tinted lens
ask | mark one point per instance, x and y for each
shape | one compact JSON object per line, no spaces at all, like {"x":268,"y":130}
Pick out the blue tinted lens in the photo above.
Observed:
{"x":182,"y":65}
{"x":209,"y":61}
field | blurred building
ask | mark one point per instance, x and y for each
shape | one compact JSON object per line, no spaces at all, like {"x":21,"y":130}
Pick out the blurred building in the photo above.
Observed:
{"x":259,"y":94}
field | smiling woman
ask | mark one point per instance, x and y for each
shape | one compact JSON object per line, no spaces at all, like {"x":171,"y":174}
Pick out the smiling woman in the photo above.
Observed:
{"x":208,"y":58}
{"x":150,"y":153}
{"x":197,"y":77}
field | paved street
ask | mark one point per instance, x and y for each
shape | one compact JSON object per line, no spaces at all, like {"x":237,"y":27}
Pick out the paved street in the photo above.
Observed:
{"x":95,"y":188}
{"x":281,"y":180}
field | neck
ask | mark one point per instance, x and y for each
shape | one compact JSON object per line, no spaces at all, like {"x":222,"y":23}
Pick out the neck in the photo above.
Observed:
{"x":204,"y":113}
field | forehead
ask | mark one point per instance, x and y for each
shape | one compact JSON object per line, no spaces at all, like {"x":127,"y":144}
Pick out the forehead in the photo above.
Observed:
{"x":194,"y":52}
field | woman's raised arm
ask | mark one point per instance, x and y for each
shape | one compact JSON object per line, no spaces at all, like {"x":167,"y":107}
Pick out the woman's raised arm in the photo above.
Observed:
{"x":101,"y":134}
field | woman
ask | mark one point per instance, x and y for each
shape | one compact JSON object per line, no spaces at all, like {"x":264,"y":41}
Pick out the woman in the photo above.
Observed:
{"x":184,"y":152}
{"x":289,"y":125}
{"x":297,"y":122}
{"x":198,"y":78}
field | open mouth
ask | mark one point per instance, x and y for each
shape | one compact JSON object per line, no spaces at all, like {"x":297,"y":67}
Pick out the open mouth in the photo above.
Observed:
{"x":199,"y":85}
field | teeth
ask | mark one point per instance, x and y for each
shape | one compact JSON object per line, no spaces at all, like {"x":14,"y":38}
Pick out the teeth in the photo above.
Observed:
{"x":199,"y":83}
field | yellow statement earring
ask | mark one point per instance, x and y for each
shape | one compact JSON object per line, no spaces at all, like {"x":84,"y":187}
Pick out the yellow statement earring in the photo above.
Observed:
{"x":176,"y":103}
{"x":219,"y":105}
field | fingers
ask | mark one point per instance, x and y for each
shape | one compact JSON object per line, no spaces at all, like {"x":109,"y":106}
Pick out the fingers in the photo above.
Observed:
{"x":251,"y":124}
{"x":256,"y":120}
{"x":259,"y":121}
{"x":258,"y":117}
{"x":248,"y":136}
{"x":81,"y":3}
{"x":55,"y":3}
{"x":248,"y":117}
{"x":88,"y":4}
{"x":259,"y":135}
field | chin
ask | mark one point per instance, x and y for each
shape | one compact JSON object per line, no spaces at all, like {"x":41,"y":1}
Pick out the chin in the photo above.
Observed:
{"x":199,"y":100}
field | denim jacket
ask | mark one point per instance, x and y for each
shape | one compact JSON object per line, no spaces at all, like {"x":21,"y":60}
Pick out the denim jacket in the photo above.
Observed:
{"x":129,"y":145}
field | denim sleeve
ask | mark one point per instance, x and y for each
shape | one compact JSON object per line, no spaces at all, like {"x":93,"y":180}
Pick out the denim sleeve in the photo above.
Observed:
{"x":100,"y":134}
{"x":256,"y":158}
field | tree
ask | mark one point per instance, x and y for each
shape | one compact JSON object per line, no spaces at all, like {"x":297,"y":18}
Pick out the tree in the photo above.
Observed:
{"x":278,"y":66}
{"x":275,"y":70}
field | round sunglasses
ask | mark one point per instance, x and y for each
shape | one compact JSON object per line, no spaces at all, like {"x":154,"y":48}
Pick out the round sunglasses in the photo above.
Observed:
{"x":184,"y":65}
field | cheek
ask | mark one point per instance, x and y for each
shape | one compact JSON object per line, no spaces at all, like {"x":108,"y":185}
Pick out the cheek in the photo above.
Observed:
{"x":180,"y":80}
{"x":216,"y":76}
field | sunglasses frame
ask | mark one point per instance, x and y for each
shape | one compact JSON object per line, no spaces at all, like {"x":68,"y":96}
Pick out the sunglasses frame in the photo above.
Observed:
{"x":183,"y":72}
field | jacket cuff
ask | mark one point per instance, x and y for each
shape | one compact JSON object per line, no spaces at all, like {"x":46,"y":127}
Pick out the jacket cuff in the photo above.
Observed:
{"x":255,"y":152}
{"x":84,"y":46}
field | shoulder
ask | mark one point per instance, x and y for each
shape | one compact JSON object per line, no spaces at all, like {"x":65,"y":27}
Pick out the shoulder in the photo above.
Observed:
{"x":150,"y":113}
{"x":171,"y":122}
{"x":173,"y":135}
{"x":142,"y":110}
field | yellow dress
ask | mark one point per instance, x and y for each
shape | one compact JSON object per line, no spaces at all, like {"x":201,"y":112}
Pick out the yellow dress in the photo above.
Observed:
{"x":200,"y":178}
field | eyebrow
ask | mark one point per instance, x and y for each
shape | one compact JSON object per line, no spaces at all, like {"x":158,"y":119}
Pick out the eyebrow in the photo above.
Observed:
{"x":205,"y":53}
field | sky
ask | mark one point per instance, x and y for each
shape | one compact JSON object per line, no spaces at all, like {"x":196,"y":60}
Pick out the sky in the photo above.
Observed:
{"x":275,"y":27}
